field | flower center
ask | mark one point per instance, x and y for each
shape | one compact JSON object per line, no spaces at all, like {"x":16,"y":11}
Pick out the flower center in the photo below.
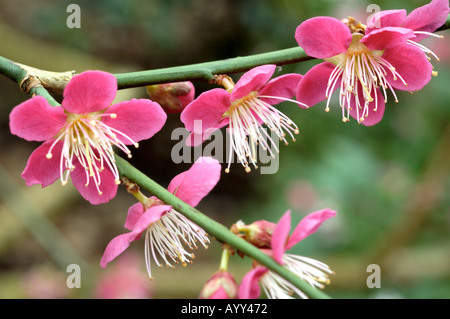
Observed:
{"x":88,"y":142}
{"x":246,"y":116}
{"x":360,"y":72}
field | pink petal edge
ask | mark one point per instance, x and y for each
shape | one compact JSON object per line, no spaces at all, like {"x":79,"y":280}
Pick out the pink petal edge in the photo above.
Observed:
{"x":89,"y":91}
{"x":195,"y":183}
{"x":252,"y":80}
{"x":280,"y":237}
{"x":137,"y":119}
{"x":323,"y":37}
{"x":36,"y":120}
{"x":309,"y":225}
{"x":249,"y":287}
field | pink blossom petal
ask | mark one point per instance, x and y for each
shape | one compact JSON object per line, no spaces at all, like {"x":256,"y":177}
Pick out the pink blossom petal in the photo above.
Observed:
{"x":280,"y":237}
{"x":194,"y":184}
{"x":220,"y":293}
{"x":40,"y":169}
{"x":411,"y":63}
{"x":313,"y":86}
{"x":387,"y":37}
{"x":428,"y":17}
{"x":386,"y":18}
{"x":120,"y":243}
{"x":249,"y":287}
{"x":108,"y":186}
{"x":115,"y":247}
{"x":139,"y":119}
{"x":323,"y":37}
{"x":36,"y":120}
{"x":374,"y":116}
{"x":89,"y":91}
{"x":134,"y":213}
{"x":151,"y":215}
{"x":309,"y":225}
{"x":252,"y":80}
{"x":284,"y":86}
{"x":207,"y":111}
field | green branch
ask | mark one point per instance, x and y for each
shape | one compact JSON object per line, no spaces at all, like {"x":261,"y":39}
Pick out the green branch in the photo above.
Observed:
{"x":206,"y":71}
{"x":213,"y":228}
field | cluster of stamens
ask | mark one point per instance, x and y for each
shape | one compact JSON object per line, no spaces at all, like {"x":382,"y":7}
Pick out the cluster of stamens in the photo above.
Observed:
{"x":312,"y":271}
{"x":360,"y":71}
{"x":246,"y":117}
{"x":246,"y":133}
{"x":89,"y":142}
{"x":167,"y":238}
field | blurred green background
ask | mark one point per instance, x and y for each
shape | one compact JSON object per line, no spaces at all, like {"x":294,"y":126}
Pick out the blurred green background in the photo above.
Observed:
{"x":389,"y":183}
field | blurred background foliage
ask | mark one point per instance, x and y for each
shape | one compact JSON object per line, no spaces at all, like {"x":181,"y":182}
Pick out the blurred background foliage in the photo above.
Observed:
{"x":389,"y":183}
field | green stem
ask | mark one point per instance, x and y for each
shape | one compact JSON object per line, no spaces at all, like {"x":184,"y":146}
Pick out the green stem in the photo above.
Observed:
{"x":206,"y":71}
{"x":220,"y":232}
{"x":224,"y":259}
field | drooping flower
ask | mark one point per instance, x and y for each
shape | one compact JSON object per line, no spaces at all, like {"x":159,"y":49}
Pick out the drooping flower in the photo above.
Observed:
{"x":167,"y":232}
{"x":79,"y":137}
{"x":173,"y":97}
{"x":221,"y":285}
{"x":312,"y":271}
{"x":365,"y":63}
{"x":244,"y":107}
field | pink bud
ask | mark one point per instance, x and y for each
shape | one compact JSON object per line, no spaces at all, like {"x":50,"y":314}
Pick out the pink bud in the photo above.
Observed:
{"x":220,"y":286}
{"x":173,"y":97}
{"x":258,"y":233}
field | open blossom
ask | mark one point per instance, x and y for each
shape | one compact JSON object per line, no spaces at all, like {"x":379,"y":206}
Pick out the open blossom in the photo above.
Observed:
{"x":167,"y":232}
{"x":312,"y":271}
{"x":243,"y":107}
{"x":80,"y":137}
{"x":367,"y":62}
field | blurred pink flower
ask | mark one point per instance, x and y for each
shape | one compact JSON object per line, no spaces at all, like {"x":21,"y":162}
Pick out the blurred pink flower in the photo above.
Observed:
{"x":310,"y":270}
{"x":79,"y":136}
{"x":367,"y":61}
{"x":244,"y":107}
{"x":166,"y":229}
{"x":45,"y":283}
{"x":124,"y":281}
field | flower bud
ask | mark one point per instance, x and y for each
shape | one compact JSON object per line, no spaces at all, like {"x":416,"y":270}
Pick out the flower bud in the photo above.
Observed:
{"x":258,"y":233}
{"x":173,"y":97}
{"x":220,"y":286}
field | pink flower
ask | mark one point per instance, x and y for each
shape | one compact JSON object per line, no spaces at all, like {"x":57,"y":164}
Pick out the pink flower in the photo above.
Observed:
{"x":365,"y":62}
{"x":124,"y":281}
{"x":221,"y":285}
{"x":244,"y":107}
{"x":166,"y":229}
{"x":310,"y":270}
{"x":79,"y":136}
